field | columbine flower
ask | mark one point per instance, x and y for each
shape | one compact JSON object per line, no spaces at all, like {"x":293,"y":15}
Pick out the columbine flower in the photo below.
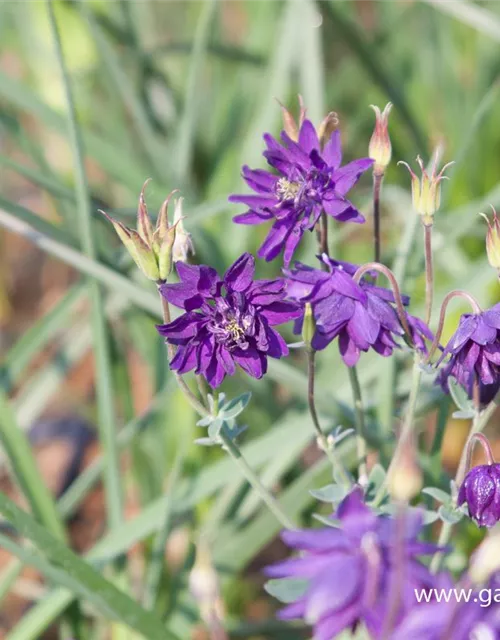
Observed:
{"x":380,"y":149}
{"x":481,"y":492}
{"x":349,"y":570}
{"x":227,"y":321}
{"x":360,"y":315}
{"x":151,"y":249}
{"x":475,"y":350}
{"x":309,"y":181}
{"x":426,"y":192}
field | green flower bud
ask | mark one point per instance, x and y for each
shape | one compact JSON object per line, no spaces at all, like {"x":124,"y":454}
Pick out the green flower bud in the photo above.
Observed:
{"x":493,"y":240}
{"x":308,"y":326}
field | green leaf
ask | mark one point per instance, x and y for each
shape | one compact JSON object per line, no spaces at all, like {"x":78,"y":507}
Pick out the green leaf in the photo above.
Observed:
{"x":234,"y":407}
{"x":286,"y":590}
{"x":460,"y":397}
{"x":449,"y":515}
{"x":70,"y":571}
{"x":437,"y":494}
{"x":333,"y":493}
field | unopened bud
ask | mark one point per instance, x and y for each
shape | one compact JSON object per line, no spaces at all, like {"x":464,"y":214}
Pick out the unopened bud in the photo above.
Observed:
{"x":426,"y":191}
{"x":290,"y":126}
{"x":493,"y":240}
{"x":485,"y":561}
{"x":150,"y":249}
{"x":308,"y":325}
{"x":380,"y":149}
{"x":183,"y":245}
{"x":204,"y":585}
{"x":405,"y":476}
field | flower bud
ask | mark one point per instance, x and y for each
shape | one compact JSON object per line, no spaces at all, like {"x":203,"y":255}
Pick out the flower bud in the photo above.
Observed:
{"x":380,"y":149}
{"x":183,"y":245}
{"x":426,"y":192}
{"x":480,"y":490}
{"x":405,"y":476}
{"x":308,"y":325}
{"x":327,"y":127}
{"x":485,"y":561}
{"x":150,"y":249}
{"x":204,"y":586}
{"x":493,"y":240}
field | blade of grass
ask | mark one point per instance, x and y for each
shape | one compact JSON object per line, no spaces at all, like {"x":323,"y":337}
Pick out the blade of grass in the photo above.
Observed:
{"x":103,"y":374}
{"x":312,"y":80}
{"x":33,"y":341}
{"x":61,"y":565}
{"x":25,"y":470}
{"x":192,"y":104}
{"x":115,"y":281}
{"x":474,"y":16}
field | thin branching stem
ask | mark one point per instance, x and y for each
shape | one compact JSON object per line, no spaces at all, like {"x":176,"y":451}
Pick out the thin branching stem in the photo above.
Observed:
{"x":377,"y":189}
{"x":359,"y":419}
{"x":429,"y":272}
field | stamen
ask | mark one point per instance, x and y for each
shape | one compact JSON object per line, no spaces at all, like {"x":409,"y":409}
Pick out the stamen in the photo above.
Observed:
{"x":287,"y":190}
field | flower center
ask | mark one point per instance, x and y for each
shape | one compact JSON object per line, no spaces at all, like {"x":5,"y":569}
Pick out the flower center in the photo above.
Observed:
{"x":287,"y":190}
{"x":235,"y":331}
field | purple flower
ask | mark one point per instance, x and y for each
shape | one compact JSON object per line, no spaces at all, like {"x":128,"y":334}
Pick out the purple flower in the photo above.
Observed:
{"x":350,"y":570}
{"x":309,"y":181}
{"x":361,"y":315}
{"x":228,"y":321}
{"x":474,"y":349}
{"x":480,"y":490}
{"x":458,"y":620}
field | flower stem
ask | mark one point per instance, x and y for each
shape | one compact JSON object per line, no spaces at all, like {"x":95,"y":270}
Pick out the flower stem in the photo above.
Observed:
{"x":429,"y":272}
{"x":377,"y":188}
{"x":230,"y":446}
{"x":359,"y":417}
{"x":254,"y":481}
{"x":322,"y":439}
{"x":323,"y":234}
{"x":408,"y":422}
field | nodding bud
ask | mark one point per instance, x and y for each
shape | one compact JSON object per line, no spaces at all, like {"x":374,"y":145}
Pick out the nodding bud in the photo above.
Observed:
{"x":327,"y":127}
{"x":485,"y":561}
{"x":405,"y":476}
{"x":183,"y":245}
{"x":380,"y":149}
{"x":290,"y":126}
{"x":426,"y":191}
{"x":308,"y":325}
{"x":151,"y":249}
{"x":204,"y":586}
{"x":493,"y":240}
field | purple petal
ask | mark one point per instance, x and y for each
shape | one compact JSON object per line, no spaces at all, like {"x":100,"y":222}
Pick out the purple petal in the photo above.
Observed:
{"x":240,"y":275}
{"x":251,"y":361}
{"x":483,"y":333}
{"x":253,"y":217}
{"x":280,"y":312}
{"x":259,"y":179}
{"x":347,"y":176}
{"x":185,"y":326}
{"x":308,"y":138}
{"x":255,"y":202}
{"x":275,"y":239}
{"x":332,"y":153}
{"x":348,"y":350}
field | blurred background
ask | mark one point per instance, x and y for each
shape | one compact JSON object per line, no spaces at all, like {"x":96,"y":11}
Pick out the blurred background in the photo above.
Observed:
{"x":181,"y":92}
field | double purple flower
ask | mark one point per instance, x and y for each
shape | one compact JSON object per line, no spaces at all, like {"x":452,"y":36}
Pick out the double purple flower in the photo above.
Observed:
{"x":474,"y":351}
{"x":361,"y":315}
{"x":350,"y":570}
{"x":227,"y":321}
{"x":309,"y":181}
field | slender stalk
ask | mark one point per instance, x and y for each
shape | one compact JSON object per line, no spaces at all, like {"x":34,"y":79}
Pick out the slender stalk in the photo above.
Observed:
{"x":323,"y":234}
{"x":442,"y":315}
{"x":407,"y":424}
{"x":429,"y":272}
{"x":229,"y":445}
{"x":103,"y":375}
{"x":359,"y":417}
{"x":322,"y":439}
{"x":202,"y":388}
{"x":377,"y":188}
{"x":254,"y":481}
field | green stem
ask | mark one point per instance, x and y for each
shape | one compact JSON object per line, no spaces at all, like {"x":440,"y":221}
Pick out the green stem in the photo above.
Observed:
{"x":359,"y":416}
{"x":229,"y":445}
{"x":429,"y":272}
{"x":408,"y":422}
{"x":328,"y":448}
{"x":377,"y":188}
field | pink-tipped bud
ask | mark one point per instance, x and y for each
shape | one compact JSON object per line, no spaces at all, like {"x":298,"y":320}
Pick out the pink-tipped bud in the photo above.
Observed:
{"x":327,"y":127}
{"x":380,"y":149}
{"x":493,"y":240}
{"x":426,"y":191}
{"x":290,"y":126}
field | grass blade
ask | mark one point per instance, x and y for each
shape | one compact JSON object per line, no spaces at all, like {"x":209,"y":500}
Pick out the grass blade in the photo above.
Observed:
{"x":103,"y":373}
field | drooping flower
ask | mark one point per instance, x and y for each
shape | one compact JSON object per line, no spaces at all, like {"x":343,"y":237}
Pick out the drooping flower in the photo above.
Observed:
{"x":309,"y":180}
{"x":228,"y":321}
{"x":474,"y":351}
{"x":480,"y":490}
{"x":350,"y":569}
{"x":361,"y":315}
